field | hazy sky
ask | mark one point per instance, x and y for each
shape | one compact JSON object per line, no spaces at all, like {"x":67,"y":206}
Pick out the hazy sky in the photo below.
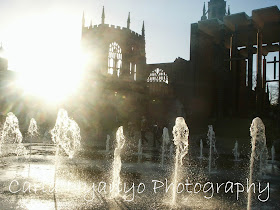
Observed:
{"x":32,"y":30}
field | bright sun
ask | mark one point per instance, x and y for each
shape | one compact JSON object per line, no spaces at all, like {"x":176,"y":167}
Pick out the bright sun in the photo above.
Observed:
{"x":47,"y":54}
{"x":57,"y":82}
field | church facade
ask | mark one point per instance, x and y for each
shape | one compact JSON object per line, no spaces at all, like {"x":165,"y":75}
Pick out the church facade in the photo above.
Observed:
{"x":216,"y":82}
{"x":120,"y":88}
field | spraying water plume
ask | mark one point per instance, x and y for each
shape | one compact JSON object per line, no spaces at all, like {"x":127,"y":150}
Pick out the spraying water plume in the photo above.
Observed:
{"x":165,"y":142}
{"x":33,"y":128}
{"x":32,"y":133}
{"x":117,"y":163}
{"x":11,"y":135}
{"x":259,"y":154}
{"x":212,"y":147}
{"x":66,"y":133}
{"x":235,"y":151}
{"x":181,"y":141}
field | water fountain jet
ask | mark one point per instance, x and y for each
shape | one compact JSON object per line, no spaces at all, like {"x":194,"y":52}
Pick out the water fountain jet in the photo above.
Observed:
{"x":65,"y":134}
{"x":181,"y":141}
{"x":33,"y":128}
{"x":11,"y":135}
{"x":258,"y":155}
{"x":212,"y":147}
{"x":165,"y":142}
{"x":32,"y":133}
{"x":201,"y":149}
{"x":117,"y":163}
{"x":236,"y":152}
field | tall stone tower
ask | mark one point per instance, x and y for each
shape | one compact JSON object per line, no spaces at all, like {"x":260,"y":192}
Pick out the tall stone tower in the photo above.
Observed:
{"x":216,"y":9}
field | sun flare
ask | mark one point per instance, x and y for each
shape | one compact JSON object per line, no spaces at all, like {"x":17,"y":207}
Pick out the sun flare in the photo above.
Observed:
{"x":57,"y":83}
{"x":47,"y":55}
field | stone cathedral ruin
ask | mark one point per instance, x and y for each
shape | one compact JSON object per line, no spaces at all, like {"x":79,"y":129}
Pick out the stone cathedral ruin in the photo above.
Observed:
{"x":120,"y":88}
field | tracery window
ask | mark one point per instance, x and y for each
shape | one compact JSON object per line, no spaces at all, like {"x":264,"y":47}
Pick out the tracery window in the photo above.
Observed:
{"x":114,"y":59}
{"x":158,"y":75}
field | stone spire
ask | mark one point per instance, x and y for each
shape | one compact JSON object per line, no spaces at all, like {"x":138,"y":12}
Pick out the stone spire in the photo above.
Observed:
{"x":83,"y":20}
{"x":128,"y":21}
{"x":143,"y":29}
{"x":228,"y":13}
{"x":204,"y":10}
{"x":103,"y":16}
{"x":204,"y":17}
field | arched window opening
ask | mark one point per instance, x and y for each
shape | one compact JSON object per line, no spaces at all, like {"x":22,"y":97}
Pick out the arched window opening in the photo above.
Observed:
{"x":135,"y":72}
{"x":130,"y":68}
{"x":114,"y":59}
{"x":158,"y":75}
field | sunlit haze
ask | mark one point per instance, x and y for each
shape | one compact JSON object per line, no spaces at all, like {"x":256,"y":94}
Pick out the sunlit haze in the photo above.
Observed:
{"x":139,"y":104}
{"x":46,"y":53}
{"x":42,"y":38}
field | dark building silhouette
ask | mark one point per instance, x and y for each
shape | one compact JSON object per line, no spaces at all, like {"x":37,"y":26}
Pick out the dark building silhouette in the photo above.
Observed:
{"x":217,"y":82}
{"x":227,"y":43}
